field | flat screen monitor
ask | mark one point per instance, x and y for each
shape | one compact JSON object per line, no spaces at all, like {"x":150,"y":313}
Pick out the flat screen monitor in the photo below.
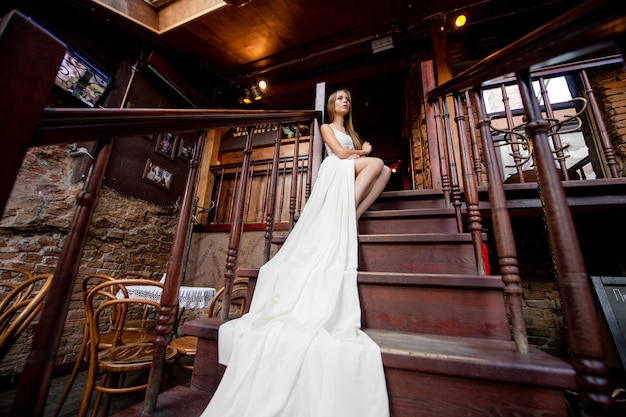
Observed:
{"x":82,"y":79}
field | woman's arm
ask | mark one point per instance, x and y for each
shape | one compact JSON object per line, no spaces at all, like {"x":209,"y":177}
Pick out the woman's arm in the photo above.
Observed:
{"x":331,"y":140}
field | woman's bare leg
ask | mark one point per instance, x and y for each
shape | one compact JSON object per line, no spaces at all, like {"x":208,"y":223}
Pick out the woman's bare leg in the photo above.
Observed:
{"x":371,"y":177}
{"x":375,"y":191}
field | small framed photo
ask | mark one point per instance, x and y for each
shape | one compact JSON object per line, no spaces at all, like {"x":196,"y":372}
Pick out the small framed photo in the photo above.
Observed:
{"x":186,"y":150}
{"x":158,"y":175}
{"x":166,"y":145}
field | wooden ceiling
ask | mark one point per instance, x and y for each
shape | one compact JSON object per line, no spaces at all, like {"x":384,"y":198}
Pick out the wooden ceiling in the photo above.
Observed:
{"x":294,"y":44}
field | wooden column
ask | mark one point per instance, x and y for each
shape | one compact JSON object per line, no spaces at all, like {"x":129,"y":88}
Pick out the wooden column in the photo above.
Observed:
{"x":169,"y":297}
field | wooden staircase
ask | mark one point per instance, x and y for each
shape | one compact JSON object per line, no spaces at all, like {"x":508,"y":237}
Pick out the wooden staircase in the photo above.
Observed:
{"x":442,"y":328}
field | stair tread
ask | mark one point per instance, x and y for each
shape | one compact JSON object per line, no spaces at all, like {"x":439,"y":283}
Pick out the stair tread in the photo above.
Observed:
{"x":404,"y":213}
{"x":416,"y":237}
{"x":489,"y":359}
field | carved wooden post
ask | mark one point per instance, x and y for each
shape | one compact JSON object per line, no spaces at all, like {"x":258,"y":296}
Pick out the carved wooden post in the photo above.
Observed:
{"x":271,"y":206}
{"x":443,"y":166}
{"x":502,"y":229}
{"x":583,"y":335}
{"x":30,"y":399}
{"x":514,"y":142}
{"x":478,"y":170}
{"x":169,"y":297}
{"x":451,"y":163}
{"x":294,"y":178}
{"x":236,"y":227}
{"x":605,"y":140}
{"x":474,"y":218}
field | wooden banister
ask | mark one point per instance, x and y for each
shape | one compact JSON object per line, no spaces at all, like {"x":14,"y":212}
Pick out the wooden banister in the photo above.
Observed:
{"x":590,"y":26}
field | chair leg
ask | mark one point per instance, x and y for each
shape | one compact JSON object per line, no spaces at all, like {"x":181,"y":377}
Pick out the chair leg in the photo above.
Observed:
{"x":114,"y":381}
{"x":89,"y":385}
{"x":82,"y":355}
{"x":104,"y":381}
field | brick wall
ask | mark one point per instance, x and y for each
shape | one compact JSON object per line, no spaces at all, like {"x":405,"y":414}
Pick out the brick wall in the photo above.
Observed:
{"x":126,"y":235}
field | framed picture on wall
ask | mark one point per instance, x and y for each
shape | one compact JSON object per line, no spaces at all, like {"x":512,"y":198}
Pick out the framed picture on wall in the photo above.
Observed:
{"x":166,"y":145}
{"x":158,"y":175}
{"x":186,"y":150}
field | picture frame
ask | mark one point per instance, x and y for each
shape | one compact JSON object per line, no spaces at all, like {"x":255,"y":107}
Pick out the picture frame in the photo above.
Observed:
{"x":185,"y":150}
{"x":166,"y":145}
{"x":157,"y":175}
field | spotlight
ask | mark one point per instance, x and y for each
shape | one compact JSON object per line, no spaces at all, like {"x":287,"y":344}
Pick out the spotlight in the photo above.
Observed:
{"x":246,"y":98}
{"x":255,"y":92}
{"x":263,"y":85}
{"x":460,"y":21}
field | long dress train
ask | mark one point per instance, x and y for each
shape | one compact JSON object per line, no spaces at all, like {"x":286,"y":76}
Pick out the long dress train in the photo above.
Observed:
{"x":300,"y":352}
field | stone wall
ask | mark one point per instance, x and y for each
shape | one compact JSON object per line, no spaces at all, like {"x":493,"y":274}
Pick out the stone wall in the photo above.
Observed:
{"x":126,"y":235}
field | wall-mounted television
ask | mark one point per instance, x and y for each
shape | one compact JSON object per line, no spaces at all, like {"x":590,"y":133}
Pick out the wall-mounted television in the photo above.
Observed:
{"x":82,"y":79}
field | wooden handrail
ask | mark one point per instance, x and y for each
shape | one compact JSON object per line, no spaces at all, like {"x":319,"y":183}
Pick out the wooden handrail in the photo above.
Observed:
{"x":59,"y":125}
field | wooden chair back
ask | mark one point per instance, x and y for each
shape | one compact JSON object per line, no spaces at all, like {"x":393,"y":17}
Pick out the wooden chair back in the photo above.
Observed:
{"x":107,"y":308}
{"x":19,"y":306}
{"x":238,"y":298}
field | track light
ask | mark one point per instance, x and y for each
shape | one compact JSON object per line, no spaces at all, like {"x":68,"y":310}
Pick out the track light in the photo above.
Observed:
{"x":255,"y":93}
{"x":246,"y":98}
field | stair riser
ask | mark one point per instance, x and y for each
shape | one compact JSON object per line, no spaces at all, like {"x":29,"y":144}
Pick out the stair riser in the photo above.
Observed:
{"x":400,"y":204}
{"x":425,"y":257}
{"x":415,"y":394}
{"x":463,"y":312}
{"x":413,"y":225}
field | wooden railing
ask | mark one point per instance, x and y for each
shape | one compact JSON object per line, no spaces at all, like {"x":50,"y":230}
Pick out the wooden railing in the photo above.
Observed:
{"x":71,"y":125}
{"x":591,"y":26}
{"x":28,"y":126}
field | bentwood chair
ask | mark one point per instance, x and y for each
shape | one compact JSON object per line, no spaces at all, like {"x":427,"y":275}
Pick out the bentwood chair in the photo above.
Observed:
{"x":22,"y":299}
{"x":129,"y":336}
{"x":108,"y":367}
{"x":186,"y":346}
{"x":147,"y":322}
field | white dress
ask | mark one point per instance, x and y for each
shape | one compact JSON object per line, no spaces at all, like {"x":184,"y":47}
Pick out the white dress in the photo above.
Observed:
{"x":300,"y":352}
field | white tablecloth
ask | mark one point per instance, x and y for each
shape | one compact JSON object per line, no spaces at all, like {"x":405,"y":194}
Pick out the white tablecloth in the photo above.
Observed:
{"x":188,"y":297}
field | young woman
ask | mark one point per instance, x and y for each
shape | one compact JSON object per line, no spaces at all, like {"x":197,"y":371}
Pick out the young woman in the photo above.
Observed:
{"x":341,"y":140}
{"x":300,"y":352}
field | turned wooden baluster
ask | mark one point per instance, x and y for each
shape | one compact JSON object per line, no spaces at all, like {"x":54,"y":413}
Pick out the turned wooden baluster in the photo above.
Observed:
{"x":169,"y":298}
{"x":236,"y":227}
{"x":271,"y":206}
{"x":474,"y":219}
{"x":30,"y":398}
{"x":514,"y":140}
{"x":445,"y":178}
{"x":605,"y":140}
{"x":584,"y":339}
{"x":451,"y":158}
{"x":478,"y":168}
{"x":294,"y":178}
{"x":556,"y":138}
{"x":502,"y":229}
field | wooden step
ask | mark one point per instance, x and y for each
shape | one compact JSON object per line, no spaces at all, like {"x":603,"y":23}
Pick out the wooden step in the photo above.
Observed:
{"x":409,"y":199}
{"x":431,"y":220}
{"x":454,"y":305}
{"x":417,"y":253}
{"x":434,"y":376}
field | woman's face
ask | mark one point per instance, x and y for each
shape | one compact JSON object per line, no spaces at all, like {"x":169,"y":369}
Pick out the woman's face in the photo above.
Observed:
{"x":342,"y":103}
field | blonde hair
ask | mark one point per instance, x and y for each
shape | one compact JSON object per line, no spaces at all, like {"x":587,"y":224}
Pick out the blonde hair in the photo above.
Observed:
{"x":347,"y":120}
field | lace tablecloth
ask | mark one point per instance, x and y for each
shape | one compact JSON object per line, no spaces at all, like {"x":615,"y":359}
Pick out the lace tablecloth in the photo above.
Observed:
{"x":188,"y":297}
